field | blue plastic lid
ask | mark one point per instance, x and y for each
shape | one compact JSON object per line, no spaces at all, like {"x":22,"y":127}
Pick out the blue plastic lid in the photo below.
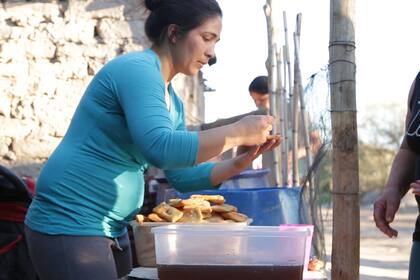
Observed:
{"x":250,"y":173}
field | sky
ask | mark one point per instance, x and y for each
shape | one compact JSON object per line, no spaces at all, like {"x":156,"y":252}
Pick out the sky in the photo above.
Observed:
{"x":387,"y":51}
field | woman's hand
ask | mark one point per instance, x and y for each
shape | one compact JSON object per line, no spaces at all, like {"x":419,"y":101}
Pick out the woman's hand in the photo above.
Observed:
{"x":253,"y":130}
{"x":228,"y":168}
{"x":242,"y":161}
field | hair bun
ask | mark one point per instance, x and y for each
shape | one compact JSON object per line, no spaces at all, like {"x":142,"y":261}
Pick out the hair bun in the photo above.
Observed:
{"x":153,"y":4}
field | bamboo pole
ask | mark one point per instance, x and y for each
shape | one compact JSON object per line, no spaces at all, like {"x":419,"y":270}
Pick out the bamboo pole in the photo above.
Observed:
{"x":286,"y":119}
{"x":291,"y":107}
{"x":271,"y":69}
{"x":274,"y":112}
{"x":282,"y":105}
{"x":295,"y":128}
{"x":342,"y":70}
{"x":299,"y":91}
{"x":310,"y":181}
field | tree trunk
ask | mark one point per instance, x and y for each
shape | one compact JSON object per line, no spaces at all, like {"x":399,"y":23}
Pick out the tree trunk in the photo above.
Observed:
{"x":342,"y":70}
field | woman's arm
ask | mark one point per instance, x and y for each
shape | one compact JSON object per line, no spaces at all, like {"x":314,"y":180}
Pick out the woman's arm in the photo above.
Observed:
{"x":224,"y":170}
{"x":208,"y":175}
{"x":249,"y":131}
{"x":140,"y":90}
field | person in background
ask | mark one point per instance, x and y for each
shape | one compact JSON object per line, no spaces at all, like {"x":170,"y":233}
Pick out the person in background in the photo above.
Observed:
{"x":258,"y":90}
{"x":404,"y":175}
{"x":129,"y":118}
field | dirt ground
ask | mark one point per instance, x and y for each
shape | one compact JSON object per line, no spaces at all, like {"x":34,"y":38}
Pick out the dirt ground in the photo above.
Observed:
{"x":381,"y":258}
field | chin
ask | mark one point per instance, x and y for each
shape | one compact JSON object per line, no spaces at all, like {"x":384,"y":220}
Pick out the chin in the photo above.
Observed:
{"x":191,"y":72}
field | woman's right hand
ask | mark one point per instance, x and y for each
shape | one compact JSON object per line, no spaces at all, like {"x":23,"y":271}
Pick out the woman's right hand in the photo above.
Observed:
{"x":253,"y":129}
{"x":384,"y":211}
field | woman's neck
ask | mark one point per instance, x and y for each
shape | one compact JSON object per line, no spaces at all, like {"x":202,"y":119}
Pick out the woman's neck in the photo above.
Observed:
{"x":166,"y":63}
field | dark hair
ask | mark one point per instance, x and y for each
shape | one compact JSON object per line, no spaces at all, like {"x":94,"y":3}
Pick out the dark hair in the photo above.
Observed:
{"x":187,"y":14}
{"x":259,"y":85}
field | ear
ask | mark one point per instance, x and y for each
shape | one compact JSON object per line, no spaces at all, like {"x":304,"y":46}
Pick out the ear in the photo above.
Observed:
{"x":173,"y":33}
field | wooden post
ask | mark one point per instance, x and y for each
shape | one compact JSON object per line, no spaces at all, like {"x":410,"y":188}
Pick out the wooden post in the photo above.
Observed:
{"x":342,"y":70}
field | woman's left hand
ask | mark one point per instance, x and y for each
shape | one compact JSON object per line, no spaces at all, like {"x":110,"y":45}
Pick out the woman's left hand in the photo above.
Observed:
{"x":244,"y":160}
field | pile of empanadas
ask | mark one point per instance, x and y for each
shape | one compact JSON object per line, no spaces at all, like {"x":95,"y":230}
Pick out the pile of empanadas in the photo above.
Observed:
{"x":196,"y":209}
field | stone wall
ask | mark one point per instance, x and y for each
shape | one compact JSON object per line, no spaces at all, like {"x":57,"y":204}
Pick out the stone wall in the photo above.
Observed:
{"x":49,"y":52}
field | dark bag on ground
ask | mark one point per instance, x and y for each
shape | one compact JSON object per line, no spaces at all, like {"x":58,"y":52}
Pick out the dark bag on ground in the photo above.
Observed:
{"x":15,"y":197}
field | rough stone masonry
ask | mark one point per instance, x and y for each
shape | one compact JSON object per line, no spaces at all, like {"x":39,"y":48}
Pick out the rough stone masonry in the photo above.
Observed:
{"x":49,"y":52}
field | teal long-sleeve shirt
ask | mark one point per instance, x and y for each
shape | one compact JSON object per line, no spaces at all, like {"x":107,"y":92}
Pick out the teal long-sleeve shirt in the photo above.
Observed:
{"x":93,"y":182}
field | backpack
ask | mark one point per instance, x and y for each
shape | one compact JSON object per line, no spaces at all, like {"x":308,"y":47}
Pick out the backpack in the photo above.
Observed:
{"x":15,"y":198}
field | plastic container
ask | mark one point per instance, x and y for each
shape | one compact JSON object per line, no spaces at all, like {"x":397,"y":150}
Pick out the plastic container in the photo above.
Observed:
{"x":310,"y":229}
{"x":217,"y":252}
{"x":248,"y":179}
{"x":145,"y":243}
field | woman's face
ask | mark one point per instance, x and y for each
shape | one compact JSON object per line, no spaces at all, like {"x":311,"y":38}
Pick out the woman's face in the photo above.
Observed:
{"x":194,"y":49}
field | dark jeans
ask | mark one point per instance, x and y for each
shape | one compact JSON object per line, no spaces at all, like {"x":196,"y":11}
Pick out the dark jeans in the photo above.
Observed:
{"x":414,"y":270}
{"x":69,"y":257}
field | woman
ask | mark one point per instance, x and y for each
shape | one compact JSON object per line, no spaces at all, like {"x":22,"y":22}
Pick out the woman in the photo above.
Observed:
{"x":130,"y":117}
{"x":405,"y":174}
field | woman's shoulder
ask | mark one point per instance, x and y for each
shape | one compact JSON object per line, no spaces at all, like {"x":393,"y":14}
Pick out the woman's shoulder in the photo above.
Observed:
{"x":146,"y":60}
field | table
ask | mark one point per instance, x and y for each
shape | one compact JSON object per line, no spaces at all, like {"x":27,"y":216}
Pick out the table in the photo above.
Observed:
{"x":150,"y":273}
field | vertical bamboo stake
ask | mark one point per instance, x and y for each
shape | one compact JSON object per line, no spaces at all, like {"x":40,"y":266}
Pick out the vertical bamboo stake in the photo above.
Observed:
{"x":298,"y":84}
{"x":318,"y":234}
{"x":295,"y":123}
{"x":295,"y":126}
{"x":274,"y":112}
{"x":272,"y":36}
{"x":286,"y":118}
{"x":303,"y":115}
{"x":282,"y":105}
{"x":342,"y":70}
{"x":289,"y":76}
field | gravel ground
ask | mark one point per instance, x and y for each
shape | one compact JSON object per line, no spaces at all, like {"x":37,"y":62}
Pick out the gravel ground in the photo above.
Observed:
{"x":381,"y":258}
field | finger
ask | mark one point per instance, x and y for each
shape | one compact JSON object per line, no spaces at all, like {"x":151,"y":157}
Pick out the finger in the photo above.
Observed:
{"x":381,"y":223}
{"x":415,"y":184}
{"x":267,"y":146}
{"x":278,"y":141}
{"x":384,"y":227}
{"x":415,"y":188}
{"x":271,"y":137}
{"x":254,"y":151}
{"x":415,"y":191}
{"x":379,"y":217}
{"x":270,"y":119}
{"x":391,"y":209}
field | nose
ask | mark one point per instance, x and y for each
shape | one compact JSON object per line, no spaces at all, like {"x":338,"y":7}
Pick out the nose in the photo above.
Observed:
{"x":210,"y":53}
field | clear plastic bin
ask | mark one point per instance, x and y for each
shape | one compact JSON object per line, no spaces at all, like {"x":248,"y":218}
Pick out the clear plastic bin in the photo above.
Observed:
{"x":310,"y":229}
{"x":241,"y":252}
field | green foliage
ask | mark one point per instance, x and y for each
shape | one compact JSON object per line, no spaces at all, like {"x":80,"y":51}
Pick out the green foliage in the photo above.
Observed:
{"x":324,"y":178}
{"x":374,"y":166}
